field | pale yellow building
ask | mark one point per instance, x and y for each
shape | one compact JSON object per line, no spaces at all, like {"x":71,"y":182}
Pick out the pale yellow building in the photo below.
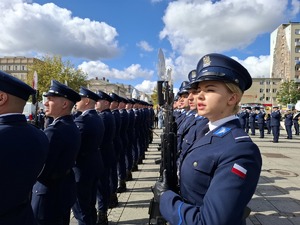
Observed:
{"x":16,"y":66}
{"x":263,"y":91}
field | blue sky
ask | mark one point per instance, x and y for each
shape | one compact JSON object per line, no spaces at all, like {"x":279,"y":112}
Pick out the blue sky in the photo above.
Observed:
{"x":120,"y":39}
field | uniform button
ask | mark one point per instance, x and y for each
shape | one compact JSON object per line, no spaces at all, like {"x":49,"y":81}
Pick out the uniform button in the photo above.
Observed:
{"x":195,"y":164}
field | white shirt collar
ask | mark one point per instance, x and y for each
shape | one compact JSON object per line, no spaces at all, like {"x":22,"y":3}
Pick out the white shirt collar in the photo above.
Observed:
{"x":213,"y":125}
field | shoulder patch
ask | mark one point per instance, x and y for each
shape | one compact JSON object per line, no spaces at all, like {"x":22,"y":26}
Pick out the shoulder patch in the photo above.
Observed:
{"x":222,"y":131}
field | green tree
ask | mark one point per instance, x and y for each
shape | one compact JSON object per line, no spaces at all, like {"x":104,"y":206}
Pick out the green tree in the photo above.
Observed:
{"x":53,"y":68}
{"x":154,"y":97}
{"x":288,"y":93}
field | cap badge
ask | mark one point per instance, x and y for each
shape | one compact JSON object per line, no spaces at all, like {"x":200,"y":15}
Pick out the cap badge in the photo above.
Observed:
{"x":194,"y":74}
{"x":206,"y":61}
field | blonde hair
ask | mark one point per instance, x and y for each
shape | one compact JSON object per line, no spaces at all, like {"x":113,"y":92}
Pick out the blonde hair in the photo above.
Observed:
{"x":233,"y":88}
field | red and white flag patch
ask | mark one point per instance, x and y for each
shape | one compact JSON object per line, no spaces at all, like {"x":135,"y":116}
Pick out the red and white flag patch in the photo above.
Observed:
{"x":238,"y":170}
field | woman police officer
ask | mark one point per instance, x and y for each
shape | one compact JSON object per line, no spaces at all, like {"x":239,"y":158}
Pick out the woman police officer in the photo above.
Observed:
{"x":220,"y":171}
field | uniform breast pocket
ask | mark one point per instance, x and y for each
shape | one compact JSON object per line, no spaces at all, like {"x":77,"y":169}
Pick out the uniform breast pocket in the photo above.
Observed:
{"x":202,"y":171}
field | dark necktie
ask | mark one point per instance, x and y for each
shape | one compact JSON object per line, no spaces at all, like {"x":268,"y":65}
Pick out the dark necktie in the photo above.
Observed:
{"x":203,"y":131}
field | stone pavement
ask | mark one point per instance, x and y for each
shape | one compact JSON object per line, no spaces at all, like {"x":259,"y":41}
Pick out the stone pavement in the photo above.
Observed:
{"x":276,"y":201}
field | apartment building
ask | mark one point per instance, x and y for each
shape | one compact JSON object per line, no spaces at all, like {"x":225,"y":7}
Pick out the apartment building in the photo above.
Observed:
{"x":263,"y":91}
{"x":285,"y":52}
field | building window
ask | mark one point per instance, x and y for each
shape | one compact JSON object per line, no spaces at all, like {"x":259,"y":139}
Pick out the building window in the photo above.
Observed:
{"x":16,"y":67}
{"x":8,"y":67}
{"x":261,"y":90}
{"x":23,"y":67}
{"x":297,"y":49}
{"x":261,"y":82}
{"x":274,"y":90}
{"x":268,"y":82}
{"x":297,"y":31}
{"x":274,"y":82}
{"x":268,"y":90}
{"x":267,"y":98}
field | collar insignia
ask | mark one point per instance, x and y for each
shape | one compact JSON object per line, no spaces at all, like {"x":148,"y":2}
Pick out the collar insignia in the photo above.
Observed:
{"x":221,"y":131}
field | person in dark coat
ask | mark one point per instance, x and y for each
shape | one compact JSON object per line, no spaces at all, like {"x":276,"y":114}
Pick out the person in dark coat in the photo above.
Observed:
{"x":108,"y":155}
{"x":89,"y":162}
{"x":243,"y":116}
{"x":261,"y":122}
{"x":275,"y":123}
{"x":268,"y":123}
{"x":252,"y":118}
{"x":124,"y":137}
{"x":54,"y":193}
{"x":41,"y":119}
{"x":24,"y":150}
{"x":288,"y":123}
{"x":216,"y":179}
{"x":131,"y":137}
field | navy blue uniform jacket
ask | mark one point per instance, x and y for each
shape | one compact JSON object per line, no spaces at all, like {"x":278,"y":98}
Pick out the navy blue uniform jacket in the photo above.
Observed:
{"x":55,"y":191}
{"x":219,"y":174}
{"x":89,"y":161}
{"x":23,"y":153}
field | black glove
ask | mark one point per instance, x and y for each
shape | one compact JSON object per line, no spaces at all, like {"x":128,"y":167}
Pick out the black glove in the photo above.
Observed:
{"x":160,"y":186}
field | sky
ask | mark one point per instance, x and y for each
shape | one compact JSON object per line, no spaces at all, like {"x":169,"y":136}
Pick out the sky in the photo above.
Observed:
{"x":120,"y":39}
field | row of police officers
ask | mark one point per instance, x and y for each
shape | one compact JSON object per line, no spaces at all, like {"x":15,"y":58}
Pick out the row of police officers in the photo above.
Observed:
{"x":78,"y":161}
{"x":250,"y":117}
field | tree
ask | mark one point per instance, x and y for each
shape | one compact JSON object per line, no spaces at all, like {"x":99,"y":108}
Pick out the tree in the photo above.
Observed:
{"x":154,"y":97}
{"x":288,"y":93}
{"x":52,"y":67}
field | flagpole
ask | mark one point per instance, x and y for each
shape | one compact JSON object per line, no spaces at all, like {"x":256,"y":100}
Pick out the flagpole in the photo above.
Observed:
{"x":35,"y":86}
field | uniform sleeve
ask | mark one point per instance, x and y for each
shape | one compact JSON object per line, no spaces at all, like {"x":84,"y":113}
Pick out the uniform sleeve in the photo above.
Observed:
{"x":231,"y":188}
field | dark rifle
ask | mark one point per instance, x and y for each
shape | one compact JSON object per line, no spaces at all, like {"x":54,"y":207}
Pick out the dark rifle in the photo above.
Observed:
{"x":168,"y":149}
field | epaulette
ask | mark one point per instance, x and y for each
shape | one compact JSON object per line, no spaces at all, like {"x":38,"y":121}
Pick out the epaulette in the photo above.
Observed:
{"x":240,"y":136}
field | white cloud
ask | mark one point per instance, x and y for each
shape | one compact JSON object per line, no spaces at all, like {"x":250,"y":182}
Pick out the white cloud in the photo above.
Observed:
{"x":50,"y":29}
{"x":198,"y":27}
{"x":146,"y":86}
{"x":144,"y":45}
{"x":99,"y":69}
{"x":256,"y":66}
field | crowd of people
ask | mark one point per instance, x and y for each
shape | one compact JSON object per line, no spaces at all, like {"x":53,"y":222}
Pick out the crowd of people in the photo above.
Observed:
{"x":255,"y":117}
{"x":78,"y":161}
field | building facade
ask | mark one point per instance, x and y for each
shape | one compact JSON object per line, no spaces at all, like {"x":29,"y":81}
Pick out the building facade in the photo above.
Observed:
{"x":285,"y":52}
{"x":263,"y":91}
{"x":17,"y":66}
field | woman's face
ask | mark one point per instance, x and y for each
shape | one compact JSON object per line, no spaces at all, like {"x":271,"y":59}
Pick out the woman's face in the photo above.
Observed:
{"x":214,"y":100}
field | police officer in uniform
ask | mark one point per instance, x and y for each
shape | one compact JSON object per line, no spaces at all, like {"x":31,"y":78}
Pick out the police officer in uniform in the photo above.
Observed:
{"x":131,"y":136}
{"x":183,"y":103}
{"x":54,"y":193}
{"x":123,"y":134}
{"x":252,"y":118}
{"x":288,"y":123}
{"x":23,"y":152}
{"x":217,"y":180}
{"x":275,"y":123}
{"x":118,"y":147}
{"x":243,"y":115}
{"x":89,"y":162}
{"x":261,"y":122}
{"x":108,"y":156}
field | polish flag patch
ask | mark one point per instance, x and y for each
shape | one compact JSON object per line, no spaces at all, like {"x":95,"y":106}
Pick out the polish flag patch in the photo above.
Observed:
{"x":238,"y":170}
